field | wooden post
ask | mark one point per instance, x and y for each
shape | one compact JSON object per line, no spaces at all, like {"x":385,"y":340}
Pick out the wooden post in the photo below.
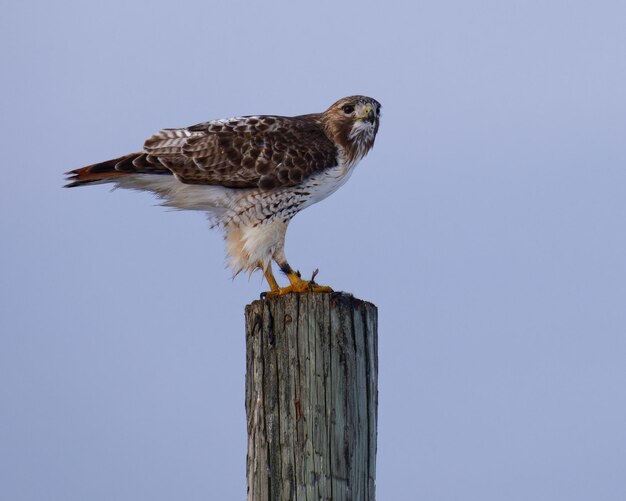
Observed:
{"x":311,"y":398}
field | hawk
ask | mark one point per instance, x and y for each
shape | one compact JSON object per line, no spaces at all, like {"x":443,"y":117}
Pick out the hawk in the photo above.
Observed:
{"x":251,"y":174}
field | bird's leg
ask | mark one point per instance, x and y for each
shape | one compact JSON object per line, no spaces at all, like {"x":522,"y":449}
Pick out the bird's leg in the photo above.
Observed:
{"x":296,"y":284}
{"x":269,"y":276}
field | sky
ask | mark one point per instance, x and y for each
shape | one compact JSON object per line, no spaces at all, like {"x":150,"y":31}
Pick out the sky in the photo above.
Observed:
{"x":487,"y":225}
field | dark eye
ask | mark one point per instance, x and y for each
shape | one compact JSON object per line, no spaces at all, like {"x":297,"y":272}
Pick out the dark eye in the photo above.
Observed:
{"x":347,"y":109}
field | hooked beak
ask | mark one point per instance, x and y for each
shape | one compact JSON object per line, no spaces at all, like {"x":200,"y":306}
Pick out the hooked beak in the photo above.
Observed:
{"x":368,"y":113}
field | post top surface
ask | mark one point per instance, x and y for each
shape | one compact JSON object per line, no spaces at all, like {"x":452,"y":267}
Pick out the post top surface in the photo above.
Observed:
{"x":333,"y":297}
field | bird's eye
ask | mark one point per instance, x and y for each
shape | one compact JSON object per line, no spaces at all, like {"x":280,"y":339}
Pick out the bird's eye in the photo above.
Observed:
{"x":347,"y":109}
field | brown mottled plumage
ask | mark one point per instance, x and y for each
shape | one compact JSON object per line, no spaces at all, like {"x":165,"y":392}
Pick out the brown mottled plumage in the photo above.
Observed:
{"x":252,"y":174}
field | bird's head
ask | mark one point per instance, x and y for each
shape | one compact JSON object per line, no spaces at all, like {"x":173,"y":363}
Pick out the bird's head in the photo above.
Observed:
{"x":352,"y":122}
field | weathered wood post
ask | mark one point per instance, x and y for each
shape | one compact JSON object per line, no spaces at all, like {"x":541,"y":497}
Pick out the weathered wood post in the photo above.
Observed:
{"x":311,"y":398}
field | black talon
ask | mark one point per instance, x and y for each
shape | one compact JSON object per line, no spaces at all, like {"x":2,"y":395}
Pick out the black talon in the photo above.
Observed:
{"x":315,"y":272}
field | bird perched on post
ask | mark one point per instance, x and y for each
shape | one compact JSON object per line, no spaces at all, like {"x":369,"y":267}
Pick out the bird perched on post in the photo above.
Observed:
{"x":251,"y":174}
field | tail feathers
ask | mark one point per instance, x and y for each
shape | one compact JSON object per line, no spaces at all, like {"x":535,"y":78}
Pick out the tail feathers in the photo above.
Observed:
{"x":112,"y":169}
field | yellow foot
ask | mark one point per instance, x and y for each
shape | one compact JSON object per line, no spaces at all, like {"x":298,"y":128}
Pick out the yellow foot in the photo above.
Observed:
{"x":305,"y":287}
{"x":299,"y":286}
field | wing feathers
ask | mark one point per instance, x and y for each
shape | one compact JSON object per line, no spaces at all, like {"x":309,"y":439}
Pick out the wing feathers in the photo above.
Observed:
{"x":248,"y":152}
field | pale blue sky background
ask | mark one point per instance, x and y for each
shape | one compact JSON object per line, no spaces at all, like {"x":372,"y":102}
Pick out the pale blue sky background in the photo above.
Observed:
{"x":487,"y":225}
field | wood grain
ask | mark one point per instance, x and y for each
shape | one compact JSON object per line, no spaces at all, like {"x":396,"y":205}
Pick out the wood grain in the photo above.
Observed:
{"x":311,"y":398}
